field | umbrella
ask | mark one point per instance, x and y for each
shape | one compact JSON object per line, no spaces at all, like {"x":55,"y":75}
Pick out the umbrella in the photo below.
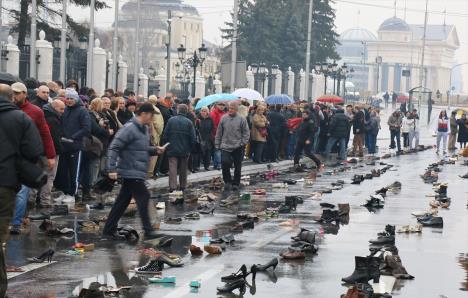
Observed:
{"x":403,"y":97}
{"x":211,"y":99}
{"x":282,"y":99}
{"x":248,"y":94}
{"x":330,"y":99}
{"x":8,"y":78}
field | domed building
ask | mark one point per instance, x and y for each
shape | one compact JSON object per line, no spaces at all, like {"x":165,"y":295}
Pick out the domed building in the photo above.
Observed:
{"x":352,"y":51}
{"x":186,"y":29}
{"x":399,"y":48}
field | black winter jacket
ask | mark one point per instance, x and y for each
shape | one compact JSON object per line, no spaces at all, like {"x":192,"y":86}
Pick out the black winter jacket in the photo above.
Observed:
{"x":76,"y":126}
{"x":180,"y":133}
{"x":18,"y":134}
{"x":55,"y":126}
{"x":205,"y":127}
{"x":339,"y":125}
{"x":306,"y":130}
{"x":358,"y":122}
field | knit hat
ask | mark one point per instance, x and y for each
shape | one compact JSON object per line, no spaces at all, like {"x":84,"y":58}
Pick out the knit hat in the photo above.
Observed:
{"x":71,"y":93}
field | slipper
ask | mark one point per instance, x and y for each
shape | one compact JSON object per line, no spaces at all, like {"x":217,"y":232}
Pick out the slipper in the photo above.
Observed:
{"x":259,"y":192}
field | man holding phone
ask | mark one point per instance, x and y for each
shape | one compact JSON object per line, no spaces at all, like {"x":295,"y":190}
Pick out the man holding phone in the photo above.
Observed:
{"x":128,"y":158}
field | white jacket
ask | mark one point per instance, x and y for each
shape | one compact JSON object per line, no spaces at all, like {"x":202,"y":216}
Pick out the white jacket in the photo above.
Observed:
{"x":406,"y":124}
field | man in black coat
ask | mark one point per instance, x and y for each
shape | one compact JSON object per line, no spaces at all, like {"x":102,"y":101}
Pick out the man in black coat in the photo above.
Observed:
{"x":276,"y":130}
{"x":19,"y":137}
{"x":180,"y":133}
{"x":305,"y":139}
{"x":337,"y":132}
{"x":52,"y":113}
{"x":358,"y":131}
{"x":42,"y":96}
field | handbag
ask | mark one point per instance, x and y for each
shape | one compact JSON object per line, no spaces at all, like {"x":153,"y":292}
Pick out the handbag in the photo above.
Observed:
{"x":94,"y":146}
{"x":263,"y":131}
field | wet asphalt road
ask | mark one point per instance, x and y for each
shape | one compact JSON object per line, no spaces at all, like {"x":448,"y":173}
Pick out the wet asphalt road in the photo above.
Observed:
{"x":433,"y":257}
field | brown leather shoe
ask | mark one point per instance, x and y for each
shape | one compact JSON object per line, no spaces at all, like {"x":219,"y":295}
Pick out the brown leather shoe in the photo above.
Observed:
{"x":293,"y":255}
{"x":343,"y":209}
{"x":195,"y":250}
{"x":213,"y":249}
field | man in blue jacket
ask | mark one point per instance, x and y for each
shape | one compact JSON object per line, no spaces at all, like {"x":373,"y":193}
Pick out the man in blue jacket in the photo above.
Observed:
{"x":128,"y":158}
{"x":76,"y":126}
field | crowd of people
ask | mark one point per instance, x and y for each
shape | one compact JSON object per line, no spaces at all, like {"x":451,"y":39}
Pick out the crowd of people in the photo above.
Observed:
{"x":81,"y":136}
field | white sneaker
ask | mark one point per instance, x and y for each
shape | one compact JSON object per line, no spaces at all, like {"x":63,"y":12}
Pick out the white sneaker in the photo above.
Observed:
{"x":68,"y":199}
{"x":161,"y":205}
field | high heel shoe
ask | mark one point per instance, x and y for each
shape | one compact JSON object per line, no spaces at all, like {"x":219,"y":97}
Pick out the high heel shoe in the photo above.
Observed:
{"x":236,"y":284}
{"x":241,"y":273}
{"x":47,"y":255}
{"x":273,"y":263}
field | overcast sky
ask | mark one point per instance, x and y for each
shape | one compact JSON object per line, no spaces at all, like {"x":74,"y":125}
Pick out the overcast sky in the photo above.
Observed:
{"x":368,"y":14}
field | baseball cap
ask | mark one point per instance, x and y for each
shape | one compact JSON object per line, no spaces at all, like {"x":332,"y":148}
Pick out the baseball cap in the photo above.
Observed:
{"x":19,"y":87}
{"x":146,"y":108}
{"x":71,"y":93}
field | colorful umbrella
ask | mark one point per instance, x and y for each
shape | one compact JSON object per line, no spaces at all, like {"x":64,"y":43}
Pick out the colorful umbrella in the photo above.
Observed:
{"x":248,"y":94}
{"x":282,"y":99}
{"x":330,"y":99}
{"x":211,"y":99}
{"x":403,"y":97}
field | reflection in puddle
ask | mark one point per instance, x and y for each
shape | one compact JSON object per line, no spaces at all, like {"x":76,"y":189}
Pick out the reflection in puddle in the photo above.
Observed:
{"x":463,"y":261}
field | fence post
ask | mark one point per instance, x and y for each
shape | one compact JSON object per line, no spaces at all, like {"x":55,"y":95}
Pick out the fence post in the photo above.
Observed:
{"x":122,"y":78}
{"x":250,"y":78}
{"x":46,"y":58}
{"x":12,"y":62}
{"x":99,"y":68}
{"x":199,"y":86}
{"x":161,"y":78}
{"x":278,"y":81}
{"x":143,"y":85}
{"x":290,"y":86}
{"x":218,"y":85}
{"x":302,"y":85}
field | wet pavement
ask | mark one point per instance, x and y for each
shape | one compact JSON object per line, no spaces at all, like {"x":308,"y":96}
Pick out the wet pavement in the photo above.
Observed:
{"x":437,"y":257}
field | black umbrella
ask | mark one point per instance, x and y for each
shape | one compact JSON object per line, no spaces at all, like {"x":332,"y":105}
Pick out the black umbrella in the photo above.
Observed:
{"x":8,"y":78}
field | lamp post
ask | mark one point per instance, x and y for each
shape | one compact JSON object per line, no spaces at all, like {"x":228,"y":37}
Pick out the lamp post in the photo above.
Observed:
{"x":326,"y":69}
{"x":449,"y":93}
{"x":378,"y":61}
{"x":197,"y":59}
{"x":259,"y":71}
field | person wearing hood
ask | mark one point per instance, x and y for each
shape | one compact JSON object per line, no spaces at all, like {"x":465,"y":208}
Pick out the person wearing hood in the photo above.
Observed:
{"x":37,"y":116}
{"x":53,"y":112}
{"x":180,"y":134}
{"x":22,"y":138}
{"x":76,"y":127}
{"x":337,"y":132}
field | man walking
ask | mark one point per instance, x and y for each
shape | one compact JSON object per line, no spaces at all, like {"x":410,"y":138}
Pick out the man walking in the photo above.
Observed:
{"x":394,"y":123}
{"x":231,"y":137}
{"x":180,"y":134}
{"x":22,"y":138}
{"x":386,"y":97}
{"x":338,"y":130}
{"x":453,"y":131}
{"x":128,"y":158}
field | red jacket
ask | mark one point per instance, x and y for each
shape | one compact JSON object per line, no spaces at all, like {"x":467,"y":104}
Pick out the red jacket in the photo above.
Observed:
{"x":216,"y":115}
{"x":37,"y":116}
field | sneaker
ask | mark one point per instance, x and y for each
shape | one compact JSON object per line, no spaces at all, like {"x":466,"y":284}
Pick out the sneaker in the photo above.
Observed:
{"x":152,"y":267}
{"x":114,"y":237}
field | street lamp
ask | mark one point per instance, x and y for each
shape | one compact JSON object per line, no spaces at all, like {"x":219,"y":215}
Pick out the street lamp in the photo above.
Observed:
{"x":83,"y":41}
{"x":197,"y":59}
{"x":260,"y":72}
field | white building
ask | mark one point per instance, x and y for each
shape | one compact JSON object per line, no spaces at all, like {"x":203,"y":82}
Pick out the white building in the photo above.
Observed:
{"x":400,"y":46}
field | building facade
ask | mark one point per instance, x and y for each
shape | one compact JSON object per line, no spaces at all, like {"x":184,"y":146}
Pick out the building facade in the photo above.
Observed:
{"x":394,"y":59}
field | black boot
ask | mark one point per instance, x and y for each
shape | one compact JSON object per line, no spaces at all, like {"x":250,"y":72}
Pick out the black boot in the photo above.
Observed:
{"x":360,"y":274}
{"x":229,"y":287}
{"x":291,"y":201}
{"x":373,"y":265}
{"x":389,"y":229}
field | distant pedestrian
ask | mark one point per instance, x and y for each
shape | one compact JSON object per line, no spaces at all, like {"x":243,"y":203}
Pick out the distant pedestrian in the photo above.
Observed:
{"x":358,"y":131}
{"x":453,"y":131}
{"x":394,"y":100}
{"x":205,"y":127}
{"x":386,"y":98}
{"x":180,"y":134}
{"x":394,"y":124}
{"x":414,"y":129}
{"x":442,"y":131}
{"x":405,"y":128}
{"x":462,"y":131}
{"x":337,"y":132}
{"x":259,"y":133}
{"x":216,"y":114}
{"x":231,"y":137}
{"x":372,"y":130}
{"x":305,"y":140}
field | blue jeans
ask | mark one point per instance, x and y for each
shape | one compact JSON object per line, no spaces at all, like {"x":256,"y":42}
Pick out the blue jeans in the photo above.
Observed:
{"x":395,"y":134}
{"x":21,"y":204}
{"x":292,"y":144}
{"x":316,"y":137}
{"x":372,"y":142}
{"x":342,"y":150}
{"x":217,"y":159}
